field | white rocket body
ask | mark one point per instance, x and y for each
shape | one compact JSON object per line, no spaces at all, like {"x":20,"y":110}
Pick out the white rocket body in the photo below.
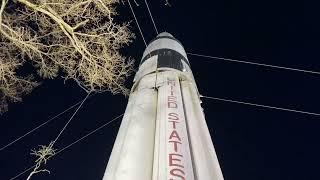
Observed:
{"x":163,"y":134}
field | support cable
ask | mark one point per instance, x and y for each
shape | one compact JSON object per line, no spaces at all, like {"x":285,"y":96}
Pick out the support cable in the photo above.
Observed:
{"x":65,"y":126}
{"x":257,"y":64}
{"x":41,"y":125}
{"x":71,"y":144}
{"x":135,"y":18}
{"x":263,"y":106}
{"x":155,"y":27}
{"x":154,"y":24}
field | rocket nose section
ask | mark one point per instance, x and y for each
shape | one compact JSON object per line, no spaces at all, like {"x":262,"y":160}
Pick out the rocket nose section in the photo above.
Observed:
{"x":165,"y":34}
{"x":165,"y":52}
{"x":164,"y":40}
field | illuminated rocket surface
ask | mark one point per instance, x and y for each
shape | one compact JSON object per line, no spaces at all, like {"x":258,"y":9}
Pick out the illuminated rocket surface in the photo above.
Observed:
{"x":163,"y":134}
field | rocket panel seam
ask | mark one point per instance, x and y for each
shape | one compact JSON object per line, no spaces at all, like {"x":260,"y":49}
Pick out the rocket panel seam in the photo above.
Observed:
{"x":206,"y":139}
{"x":195,"y":172}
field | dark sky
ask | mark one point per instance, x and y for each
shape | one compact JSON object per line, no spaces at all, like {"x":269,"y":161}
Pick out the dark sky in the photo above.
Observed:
{"x":251,"y":143}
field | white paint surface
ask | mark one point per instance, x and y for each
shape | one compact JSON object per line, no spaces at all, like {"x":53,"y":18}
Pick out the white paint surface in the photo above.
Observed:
{"x":132,"y":154}
{"x":205,"y":161}
{"x":144,"y":145}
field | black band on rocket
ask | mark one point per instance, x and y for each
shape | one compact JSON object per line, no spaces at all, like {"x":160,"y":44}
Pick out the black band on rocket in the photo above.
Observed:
{"x":167,"y":58}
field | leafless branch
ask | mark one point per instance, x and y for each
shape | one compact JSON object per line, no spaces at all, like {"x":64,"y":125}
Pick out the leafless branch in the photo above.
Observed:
{"x":78,"y":39}
{"x":43,"y":154}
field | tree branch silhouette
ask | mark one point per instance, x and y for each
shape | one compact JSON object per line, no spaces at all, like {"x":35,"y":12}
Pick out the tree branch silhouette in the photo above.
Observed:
{"x":78,"y":39}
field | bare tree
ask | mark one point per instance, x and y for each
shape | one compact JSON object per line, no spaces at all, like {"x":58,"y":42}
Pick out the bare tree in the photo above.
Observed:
{"x":12,"y":86}
{"x":43,"y":154}
{"x":78,"y":39}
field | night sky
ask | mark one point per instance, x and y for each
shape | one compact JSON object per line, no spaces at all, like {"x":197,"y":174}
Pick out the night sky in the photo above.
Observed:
{"x":251,"y":143}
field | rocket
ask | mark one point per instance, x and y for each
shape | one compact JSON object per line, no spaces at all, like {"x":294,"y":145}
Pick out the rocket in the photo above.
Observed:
{"x":163,"y":134}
